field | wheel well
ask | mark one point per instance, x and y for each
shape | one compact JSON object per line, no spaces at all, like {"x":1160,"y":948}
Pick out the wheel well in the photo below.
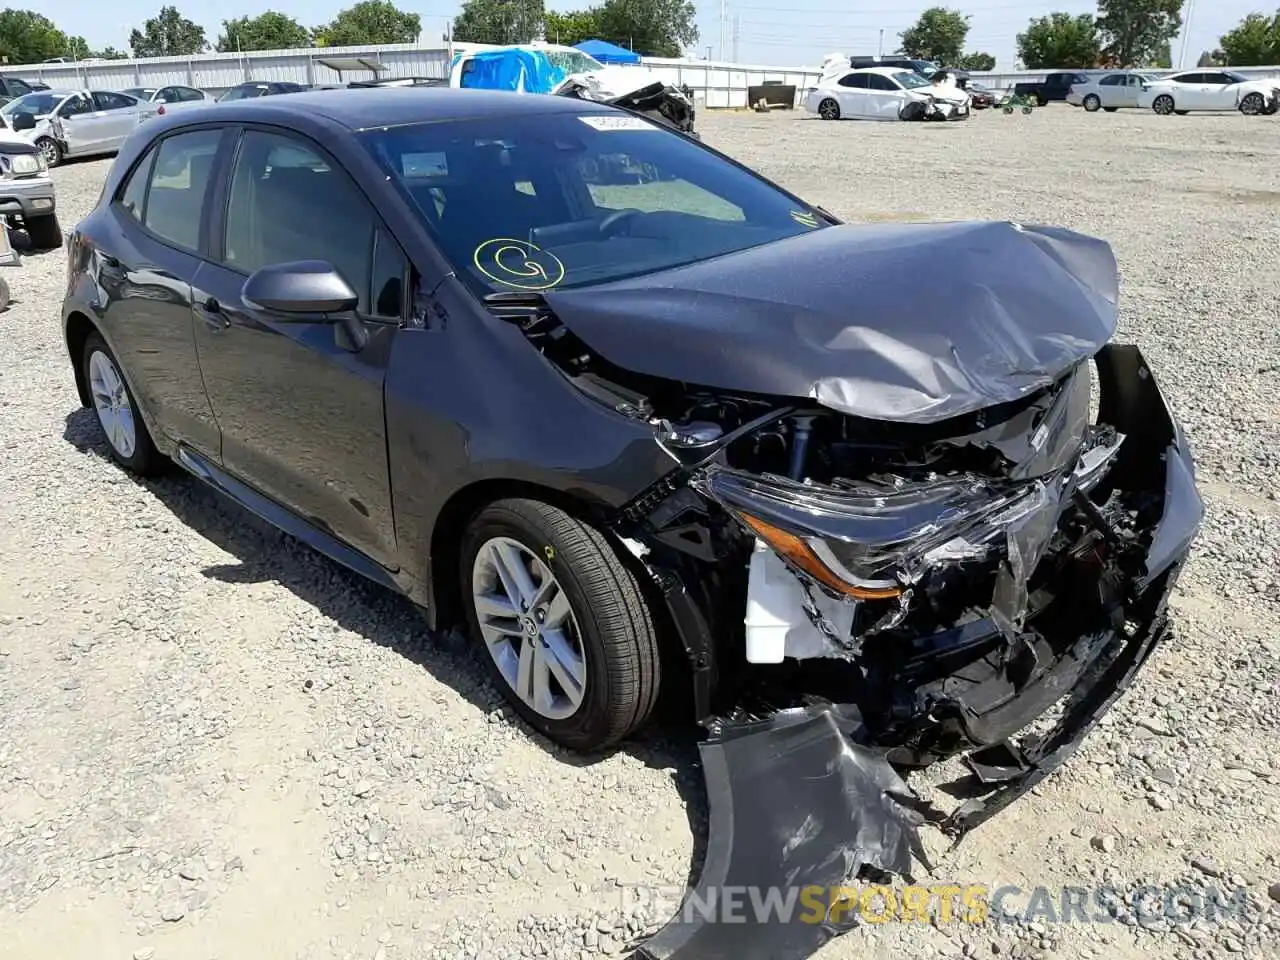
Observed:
{"x":457,"y":513}
{"x":78,"y":329}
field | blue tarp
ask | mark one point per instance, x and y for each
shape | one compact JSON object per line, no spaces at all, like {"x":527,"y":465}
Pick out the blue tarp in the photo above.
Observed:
{"x":511,"y":68}
{"x":607,"y":52}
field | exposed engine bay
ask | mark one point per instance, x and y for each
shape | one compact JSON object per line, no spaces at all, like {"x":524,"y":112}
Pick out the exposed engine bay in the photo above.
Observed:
{"x":659,"y":101}
{"x":935,"y":587}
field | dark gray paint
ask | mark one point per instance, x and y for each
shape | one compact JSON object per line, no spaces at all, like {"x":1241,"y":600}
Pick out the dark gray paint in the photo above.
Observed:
{"x":907,"y":322}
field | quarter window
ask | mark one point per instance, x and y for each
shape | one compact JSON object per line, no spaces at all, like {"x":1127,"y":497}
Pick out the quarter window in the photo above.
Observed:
{"x":134,"y":198}
{"x":288,"y":204}
{"x":179,"y":180}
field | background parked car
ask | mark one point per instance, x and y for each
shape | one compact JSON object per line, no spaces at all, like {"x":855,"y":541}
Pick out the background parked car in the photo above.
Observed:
{"x":1054,"y":87}
{"x":1215,"y":90}
{"x":880,"y":93}
{"x":27,"y":196}
{"x":75,"y":123}
{"x":263,"y":88}
{"x":981,"y":96}
{"x":11,"y":87}
{"x":166,"y":99}
{"x":1108,"y":92}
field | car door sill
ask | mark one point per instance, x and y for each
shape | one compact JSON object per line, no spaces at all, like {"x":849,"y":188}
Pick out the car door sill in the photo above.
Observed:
{"x":286,"y":520}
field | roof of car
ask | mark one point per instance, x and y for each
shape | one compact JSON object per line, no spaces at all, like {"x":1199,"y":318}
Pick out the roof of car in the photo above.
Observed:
{"x":362,"y":109}
{"x":883,"y":71}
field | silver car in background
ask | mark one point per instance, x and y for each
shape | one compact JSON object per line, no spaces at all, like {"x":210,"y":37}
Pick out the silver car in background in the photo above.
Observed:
{"x":75,"y":123}
{"x":1109,"y":91}
{"x":170,"y":98}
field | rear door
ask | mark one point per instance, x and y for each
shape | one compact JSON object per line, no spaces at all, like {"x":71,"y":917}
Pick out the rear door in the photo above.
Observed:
{"x":852,"y":93}
{"x":120,"y":116}
{"x":301,"y":413}
{"x":145,"y":276}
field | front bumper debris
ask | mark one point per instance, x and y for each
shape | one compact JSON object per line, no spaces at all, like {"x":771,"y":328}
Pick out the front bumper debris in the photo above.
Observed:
{"x":811,"y":795}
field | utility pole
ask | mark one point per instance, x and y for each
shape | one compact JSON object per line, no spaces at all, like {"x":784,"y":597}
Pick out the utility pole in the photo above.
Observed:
{"x":724,"y":22}
{"x":737,"y":26}
{"x":1186,"y":35}
{"x":708,"y":51}
{"x":880,"y":48}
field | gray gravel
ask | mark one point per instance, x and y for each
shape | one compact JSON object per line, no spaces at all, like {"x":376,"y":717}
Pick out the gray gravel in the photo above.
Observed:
{"x":218,"y":744}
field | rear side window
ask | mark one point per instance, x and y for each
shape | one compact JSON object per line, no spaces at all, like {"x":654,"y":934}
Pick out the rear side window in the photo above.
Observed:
{"x":179,"y":178}
{"x":134,"y":199}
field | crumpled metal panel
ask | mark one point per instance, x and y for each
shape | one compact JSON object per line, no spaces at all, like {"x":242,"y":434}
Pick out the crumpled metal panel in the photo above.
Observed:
{"x":795,"y":802}
{"x":913,"y":323}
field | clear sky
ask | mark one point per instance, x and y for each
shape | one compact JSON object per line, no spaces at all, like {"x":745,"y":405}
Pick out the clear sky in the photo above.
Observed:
{"x":792,"y":33}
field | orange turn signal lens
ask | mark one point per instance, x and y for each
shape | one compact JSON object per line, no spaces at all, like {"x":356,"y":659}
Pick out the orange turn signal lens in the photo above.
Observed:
{"x":797,"y":550}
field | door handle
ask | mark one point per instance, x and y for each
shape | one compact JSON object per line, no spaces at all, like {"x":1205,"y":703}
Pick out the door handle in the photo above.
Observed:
{"x":214,"y":317}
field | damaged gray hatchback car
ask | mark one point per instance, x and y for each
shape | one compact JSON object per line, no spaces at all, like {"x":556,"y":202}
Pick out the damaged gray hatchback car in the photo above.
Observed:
{"x":643,"y":419}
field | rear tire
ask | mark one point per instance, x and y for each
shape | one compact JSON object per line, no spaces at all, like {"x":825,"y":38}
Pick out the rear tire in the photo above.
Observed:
{"x":1163,"y":105}
{"x":609,"y":626}
{"x":45,"y":232}
{"x":828,"y":109}
{"x":126,"y":433}
{"x":1092,"y":103}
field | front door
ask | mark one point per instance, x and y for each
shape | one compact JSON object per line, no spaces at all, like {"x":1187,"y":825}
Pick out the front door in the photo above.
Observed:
{"x":301,"y":412}
{"x":884,"y":98}
{"x":83,"y":130}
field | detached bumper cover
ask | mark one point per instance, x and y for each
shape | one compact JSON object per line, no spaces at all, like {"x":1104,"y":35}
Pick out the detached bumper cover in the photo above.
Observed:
{"x":808,"y":797}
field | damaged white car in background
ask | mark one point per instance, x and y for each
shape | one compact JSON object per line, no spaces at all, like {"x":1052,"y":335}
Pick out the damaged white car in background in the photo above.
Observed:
{"x":884,"y":93}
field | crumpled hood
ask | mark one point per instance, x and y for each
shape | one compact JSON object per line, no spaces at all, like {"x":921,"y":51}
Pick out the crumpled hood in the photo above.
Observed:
{"x":913,"y":323}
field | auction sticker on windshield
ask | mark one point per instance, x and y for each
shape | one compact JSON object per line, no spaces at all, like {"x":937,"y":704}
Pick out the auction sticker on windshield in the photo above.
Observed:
{"x":519,"y":264}
{"x":617,"y":123}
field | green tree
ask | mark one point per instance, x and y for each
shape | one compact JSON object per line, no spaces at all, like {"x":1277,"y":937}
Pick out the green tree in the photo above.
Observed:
{"x":571,"y":28}
{"x":1060,"y":40}
{"x":652,"y":28}
{"x":1212,"y":58}
{"x":938,"y":35}
{"x":369,"y":21}
{"x":978,"y":62}
{"x":29,"y":37}
{"x":500,"y":21}
{"x":267,"y":31}
{"x":168,"y":34}
{"x":1134,"y":32}
{"x":1255,"y":41}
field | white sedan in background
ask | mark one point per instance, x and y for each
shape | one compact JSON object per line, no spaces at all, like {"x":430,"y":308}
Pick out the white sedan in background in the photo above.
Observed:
{"x":885,"y":93}
{"x":166,"y":99}
{"x":1210,"y":90}
{"x":75,"y":123}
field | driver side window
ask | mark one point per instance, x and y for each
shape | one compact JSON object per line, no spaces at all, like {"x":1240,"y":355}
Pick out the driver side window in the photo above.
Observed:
{"x":616,"y":181}
{"x":75,"y":106}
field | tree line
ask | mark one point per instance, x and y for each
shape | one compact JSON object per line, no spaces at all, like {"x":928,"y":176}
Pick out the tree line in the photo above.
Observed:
{"x":30,"y":37}
{"x":1139,"y":33}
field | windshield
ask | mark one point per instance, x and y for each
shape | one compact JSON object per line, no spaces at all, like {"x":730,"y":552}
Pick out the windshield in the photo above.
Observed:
{"x":561,"y":200}
{"x":911,"y":80}
{"x":572,"y":61}
{"x":37,"y":104}
{"x":140,"y":93}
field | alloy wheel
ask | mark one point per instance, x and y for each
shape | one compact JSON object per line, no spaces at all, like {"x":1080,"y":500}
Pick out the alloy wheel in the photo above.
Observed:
{"x":111,"y":401}
{"x":49,"y":150}
{"x":529,"y":628}
{"x":1252,"y":105}
{"x":1163,"y":105}
{"x":829,"y":110}
{"x":1092,"y":103}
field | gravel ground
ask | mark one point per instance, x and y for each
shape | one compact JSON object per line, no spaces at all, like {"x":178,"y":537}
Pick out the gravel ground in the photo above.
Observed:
{"x":217,"y":744}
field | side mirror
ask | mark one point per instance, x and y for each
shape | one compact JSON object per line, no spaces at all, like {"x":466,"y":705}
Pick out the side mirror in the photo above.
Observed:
{"x":23,"y":121}
{"x":303,"y":289}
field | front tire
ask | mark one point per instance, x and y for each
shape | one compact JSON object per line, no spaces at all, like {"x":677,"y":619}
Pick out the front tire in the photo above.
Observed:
{"x":1253,"y":104}
{"x":1163,"y":105}
{"x":1092,"y":103}
{"x":828,"y":109}
{"x":562,"y":623}
{"x":51,"y":150}
{"x":127,"y":437}
{"x":45,"y":232}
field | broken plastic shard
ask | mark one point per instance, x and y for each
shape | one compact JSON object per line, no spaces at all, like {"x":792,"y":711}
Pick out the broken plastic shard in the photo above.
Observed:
{"x":1027,"y":538}
{"x":797,"y":803}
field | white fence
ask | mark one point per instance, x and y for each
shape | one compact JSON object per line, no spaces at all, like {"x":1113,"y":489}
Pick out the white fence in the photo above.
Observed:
{"x":714,"y":83}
